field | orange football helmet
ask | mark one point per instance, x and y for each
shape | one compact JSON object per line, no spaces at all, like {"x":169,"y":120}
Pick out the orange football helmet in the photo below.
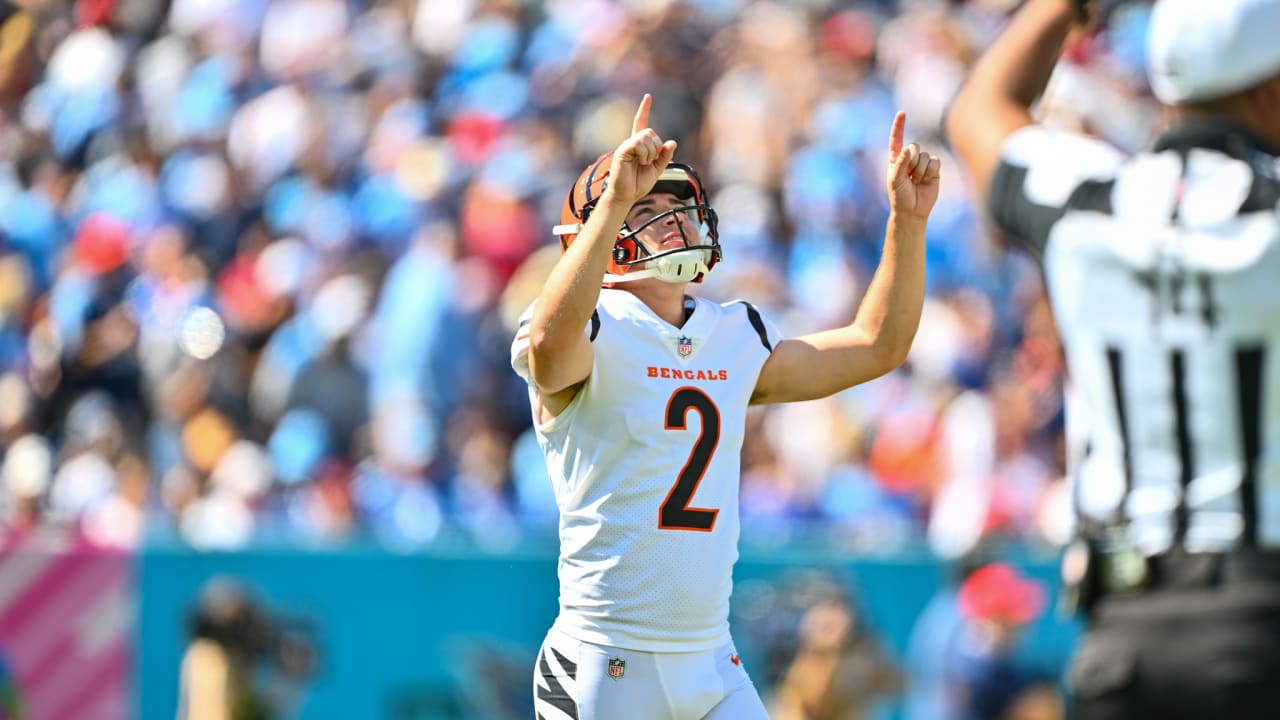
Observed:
{"x":630,"y":259}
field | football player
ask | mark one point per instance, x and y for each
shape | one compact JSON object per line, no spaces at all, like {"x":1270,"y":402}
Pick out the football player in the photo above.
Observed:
{"x":639,"y":392}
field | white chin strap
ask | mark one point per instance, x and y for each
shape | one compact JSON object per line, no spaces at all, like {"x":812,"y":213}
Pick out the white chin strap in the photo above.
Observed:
{"x":678,"y":267}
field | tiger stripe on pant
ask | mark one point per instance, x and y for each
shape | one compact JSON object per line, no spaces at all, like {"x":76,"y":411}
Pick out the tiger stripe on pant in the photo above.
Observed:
{"x":555,"y":686}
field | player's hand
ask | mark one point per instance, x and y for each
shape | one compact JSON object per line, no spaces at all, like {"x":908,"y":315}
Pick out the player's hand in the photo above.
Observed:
{"x":913,"y":175}
{"x":639,"y":160}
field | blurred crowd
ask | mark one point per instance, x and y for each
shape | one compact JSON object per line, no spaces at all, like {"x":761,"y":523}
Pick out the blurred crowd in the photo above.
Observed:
{"x":260,"y":260}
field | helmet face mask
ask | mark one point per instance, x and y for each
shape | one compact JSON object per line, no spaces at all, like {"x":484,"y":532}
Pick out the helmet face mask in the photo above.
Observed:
{"x":692,"y":260}
{"x":631,"y":259}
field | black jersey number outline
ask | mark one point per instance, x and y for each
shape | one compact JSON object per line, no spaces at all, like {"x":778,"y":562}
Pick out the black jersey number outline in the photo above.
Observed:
{"x":675,"y":513}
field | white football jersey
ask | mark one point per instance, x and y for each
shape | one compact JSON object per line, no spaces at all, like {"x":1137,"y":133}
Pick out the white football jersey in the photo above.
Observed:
{"x":645,"y":463}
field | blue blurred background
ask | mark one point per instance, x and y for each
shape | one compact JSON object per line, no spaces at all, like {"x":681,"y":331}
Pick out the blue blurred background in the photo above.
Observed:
{"x":260,"y":265}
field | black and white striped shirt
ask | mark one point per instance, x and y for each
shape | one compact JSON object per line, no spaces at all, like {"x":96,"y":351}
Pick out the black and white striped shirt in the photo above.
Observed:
{"x":1164,"y":272}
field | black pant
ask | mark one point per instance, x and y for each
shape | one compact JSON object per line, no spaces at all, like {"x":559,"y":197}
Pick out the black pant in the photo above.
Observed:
{"x":1199,"y":653}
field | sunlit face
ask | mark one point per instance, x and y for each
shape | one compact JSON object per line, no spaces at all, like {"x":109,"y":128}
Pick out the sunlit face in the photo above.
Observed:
{"x":668,"y":233}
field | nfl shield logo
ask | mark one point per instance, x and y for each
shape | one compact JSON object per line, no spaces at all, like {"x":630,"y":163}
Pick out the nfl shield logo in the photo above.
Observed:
{"x":617,"y":667}
{"x":686,"y":346}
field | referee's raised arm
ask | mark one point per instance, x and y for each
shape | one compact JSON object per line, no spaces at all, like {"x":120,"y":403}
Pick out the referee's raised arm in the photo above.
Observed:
{"x":996,"y":98}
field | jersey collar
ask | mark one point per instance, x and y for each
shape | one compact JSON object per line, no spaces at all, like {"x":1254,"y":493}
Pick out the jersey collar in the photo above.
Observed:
{"x":1214,"y":133}
{"x":700,"y":320}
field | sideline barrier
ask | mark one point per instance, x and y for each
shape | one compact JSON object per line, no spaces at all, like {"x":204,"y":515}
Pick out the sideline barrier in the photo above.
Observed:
{"x":67,"y":628}
{"x":454,"y":635}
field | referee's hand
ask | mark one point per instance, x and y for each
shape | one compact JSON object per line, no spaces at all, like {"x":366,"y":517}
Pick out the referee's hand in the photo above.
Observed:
{"x":913,"y":175}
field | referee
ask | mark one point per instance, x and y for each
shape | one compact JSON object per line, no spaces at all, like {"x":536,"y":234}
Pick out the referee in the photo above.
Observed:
{"x":1164,"y":273}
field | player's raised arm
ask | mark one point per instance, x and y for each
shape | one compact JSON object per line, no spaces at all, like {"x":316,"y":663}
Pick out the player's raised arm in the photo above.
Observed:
{"x":877,"y":341}
{"x":560,"y":356}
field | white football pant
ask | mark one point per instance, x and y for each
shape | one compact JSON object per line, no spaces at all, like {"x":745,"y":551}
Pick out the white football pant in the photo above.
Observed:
{"x":572,"y":681}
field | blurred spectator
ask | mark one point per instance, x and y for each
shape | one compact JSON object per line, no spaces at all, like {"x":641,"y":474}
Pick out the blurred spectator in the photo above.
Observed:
{"x":241,"y":662}
{"x":929,"y":694}
{"x":987,"y":679}
{"x":836,"y":669}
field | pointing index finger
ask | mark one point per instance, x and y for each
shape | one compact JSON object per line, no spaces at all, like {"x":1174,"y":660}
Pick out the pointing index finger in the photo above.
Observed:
{"x":895,"y":135}
{"x":642,"y":114}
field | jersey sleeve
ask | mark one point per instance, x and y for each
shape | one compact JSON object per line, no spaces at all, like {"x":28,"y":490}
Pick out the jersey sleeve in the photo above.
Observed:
{"x":1039,"y":170}
{"x":520,"y":345}
{"x":765,"y":329}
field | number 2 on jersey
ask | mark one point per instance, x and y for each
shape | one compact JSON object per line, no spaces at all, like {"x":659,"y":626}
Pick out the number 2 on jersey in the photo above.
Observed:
{"x":675,"y":513}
